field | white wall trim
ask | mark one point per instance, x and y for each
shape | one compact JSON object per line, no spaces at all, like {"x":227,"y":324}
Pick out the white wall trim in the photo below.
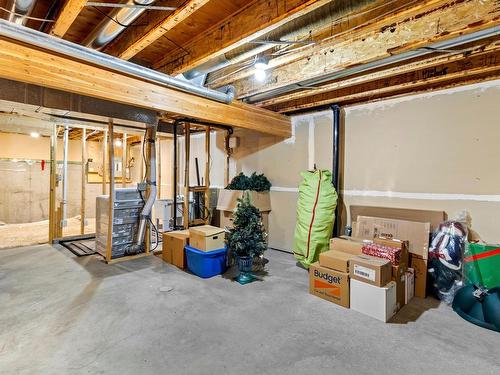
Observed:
{"x":401,"y":195}
{"x":423,"y":196}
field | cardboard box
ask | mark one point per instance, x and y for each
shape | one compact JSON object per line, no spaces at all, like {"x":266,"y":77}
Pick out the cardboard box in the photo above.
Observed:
{"x":417,"y":234}
{"x":227,"y":217}
{"x":371,"y":270}
{"x":173,"y":247}
{"x":420,"y":266}
{"x":410,"y":285}
{"x":335,"y":260}
{"x":329,"y":284}
{"x":228,"y":200}
{"x":206,"y":238}
{"x":399,"y":277}
{"x":421,"y":216}
{"x":374,"y":301}
{"x":345,"y":244}
{"x":403,"y":245}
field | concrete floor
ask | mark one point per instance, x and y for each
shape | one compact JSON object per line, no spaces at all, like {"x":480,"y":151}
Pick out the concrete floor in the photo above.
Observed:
{"x":60,"y":314}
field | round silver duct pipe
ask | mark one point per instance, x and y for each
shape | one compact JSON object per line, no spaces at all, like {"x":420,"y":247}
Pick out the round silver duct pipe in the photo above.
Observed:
{"x":20,"y":9}
{"x":115,"y":23}
{"x":63,"y":47}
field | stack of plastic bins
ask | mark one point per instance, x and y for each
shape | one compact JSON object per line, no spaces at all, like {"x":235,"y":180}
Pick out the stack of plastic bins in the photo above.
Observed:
{"x":127,"y":208}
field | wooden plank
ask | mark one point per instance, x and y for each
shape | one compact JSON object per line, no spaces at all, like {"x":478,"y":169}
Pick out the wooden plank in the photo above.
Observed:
{"x":131,"y":43}
{"x":127,"y":258}
{"x":84,"y":180}
{"x":53,"y":185}
{"x":27,"y":64}
{"x":424,"y":24}
{"x":187,"y":158}
{"x":251,"y":22}
{"x":70,"y":10}
{"x":484,"y":64}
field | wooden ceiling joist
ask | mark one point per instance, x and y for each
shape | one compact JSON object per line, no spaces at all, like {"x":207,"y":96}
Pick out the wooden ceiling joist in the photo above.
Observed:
{"x":426,"y":23}
{"x":27,"y":64}
{"x":70,"y":10}
{"x":249,"y":23}
{"x":132,"y":42}
{"x":415,"y":77}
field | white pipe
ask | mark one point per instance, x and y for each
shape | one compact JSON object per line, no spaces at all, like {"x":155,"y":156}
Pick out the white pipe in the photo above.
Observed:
{"x":65,"y":177}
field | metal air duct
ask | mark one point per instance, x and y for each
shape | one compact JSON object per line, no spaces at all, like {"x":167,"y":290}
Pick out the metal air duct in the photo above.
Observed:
{"x":115,"y":23}
{"x":50,"y":43}
{"x":19,"y":10}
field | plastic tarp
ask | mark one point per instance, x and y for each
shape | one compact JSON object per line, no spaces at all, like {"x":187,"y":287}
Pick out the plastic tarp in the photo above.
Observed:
{"x":315,"y":216}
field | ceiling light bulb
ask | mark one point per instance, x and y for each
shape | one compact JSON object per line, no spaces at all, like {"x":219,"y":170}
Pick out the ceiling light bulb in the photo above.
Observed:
{"x":35,"y":134}
{"x":118,"y":143}
{"x":260,"y":75}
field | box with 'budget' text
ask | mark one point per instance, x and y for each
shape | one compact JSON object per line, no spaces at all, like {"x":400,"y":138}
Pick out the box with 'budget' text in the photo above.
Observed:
{"x":329,"y":284}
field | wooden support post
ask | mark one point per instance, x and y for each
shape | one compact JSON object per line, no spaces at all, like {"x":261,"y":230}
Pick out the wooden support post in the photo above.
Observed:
{"x":111,"y":160}
{"x":158,"y":163}
{"x":53,"y":180}
{"x":187,"y":142}
{"x":124,"y":160}
{"x":84,"y":181}
{"x":207,"y":175}
{"x":105,"y":141}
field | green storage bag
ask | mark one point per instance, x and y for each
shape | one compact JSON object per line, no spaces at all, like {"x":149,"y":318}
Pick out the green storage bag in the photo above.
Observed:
{"x":482,"y":265}
{"x":315,"y":216}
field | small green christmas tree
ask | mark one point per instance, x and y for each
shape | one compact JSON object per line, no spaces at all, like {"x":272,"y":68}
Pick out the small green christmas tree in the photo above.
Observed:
{"x":248,"y":236}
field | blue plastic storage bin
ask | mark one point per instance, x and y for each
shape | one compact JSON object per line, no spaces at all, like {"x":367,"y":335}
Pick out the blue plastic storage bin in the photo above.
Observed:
{"x":206,"y":263}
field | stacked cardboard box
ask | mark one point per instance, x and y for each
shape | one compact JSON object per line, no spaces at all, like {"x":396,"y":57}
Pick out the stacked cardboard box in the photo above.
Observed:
{"x":370,"y":285}
{"x":204,"y":238}
{"x":414,"y":232}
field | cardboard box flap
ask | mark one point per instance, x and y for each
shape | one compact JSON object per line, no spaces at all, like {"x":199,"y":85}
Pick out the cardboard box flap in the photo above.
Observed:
{"x":206,"y":231}
{"x":228,"y":200}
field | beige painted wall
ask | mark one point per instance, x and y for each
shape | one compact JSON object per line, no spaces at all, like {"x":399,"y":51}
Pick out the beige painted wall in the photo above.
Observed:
{"x":436,"y":151}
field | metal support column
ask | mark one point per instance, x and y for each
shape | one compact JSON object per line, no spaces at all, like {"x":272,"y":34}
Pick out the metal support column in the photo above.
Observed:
{"x":53,"y":183}
{"x":84,"y":181}
{"x":187,"y":144}
{"x":336,"y":162}
{"x":111,"y":160}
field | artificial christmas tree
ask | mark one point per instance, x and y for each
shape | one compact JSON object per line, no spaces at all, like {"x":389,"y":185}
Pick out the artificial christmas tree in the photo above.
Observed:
{"x":247,"y":239}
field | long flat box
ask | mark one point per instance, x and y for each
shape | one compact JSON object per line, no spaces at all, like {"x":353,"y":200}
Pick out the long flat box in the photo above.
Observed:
{"x":410,"y":285}
{"x":206,"y":238}
{"x":417,"y":234}
{"x":371,"y":270}
{"x":422,"y":216}
{"x":374,"y":301}
{"x":336,"y":260}
{"x":347,"y":245}
{"x":329,"y":284}
{"x":228,"y":200}
{"x":420,"y":266}
{"x":173,"y":247}
{"x":399,"y":277}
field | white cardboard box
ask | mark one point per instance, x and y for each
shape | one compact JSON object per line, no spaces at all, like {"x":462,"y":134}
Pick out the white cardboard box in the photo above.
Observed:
{"x":374,"y":301}
{"x":410,"y":285}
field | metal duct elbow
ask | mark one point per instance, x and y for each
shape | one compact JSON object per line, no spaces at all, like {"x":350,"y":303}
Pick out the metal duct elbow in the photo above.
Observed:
{"x":230,"y":91}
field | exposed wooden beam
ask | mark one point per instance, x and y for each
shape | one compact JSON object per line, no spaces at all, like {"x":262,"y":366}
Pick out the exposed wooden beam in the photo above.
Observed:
{"x":70,"y":10}
{"x":251,"y":22}
{"x":135,"y":40}
{"x":27,"y":64}
{"x":485,"y":65}
{"x":426,"y":23}
{"x":310,"y":95}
